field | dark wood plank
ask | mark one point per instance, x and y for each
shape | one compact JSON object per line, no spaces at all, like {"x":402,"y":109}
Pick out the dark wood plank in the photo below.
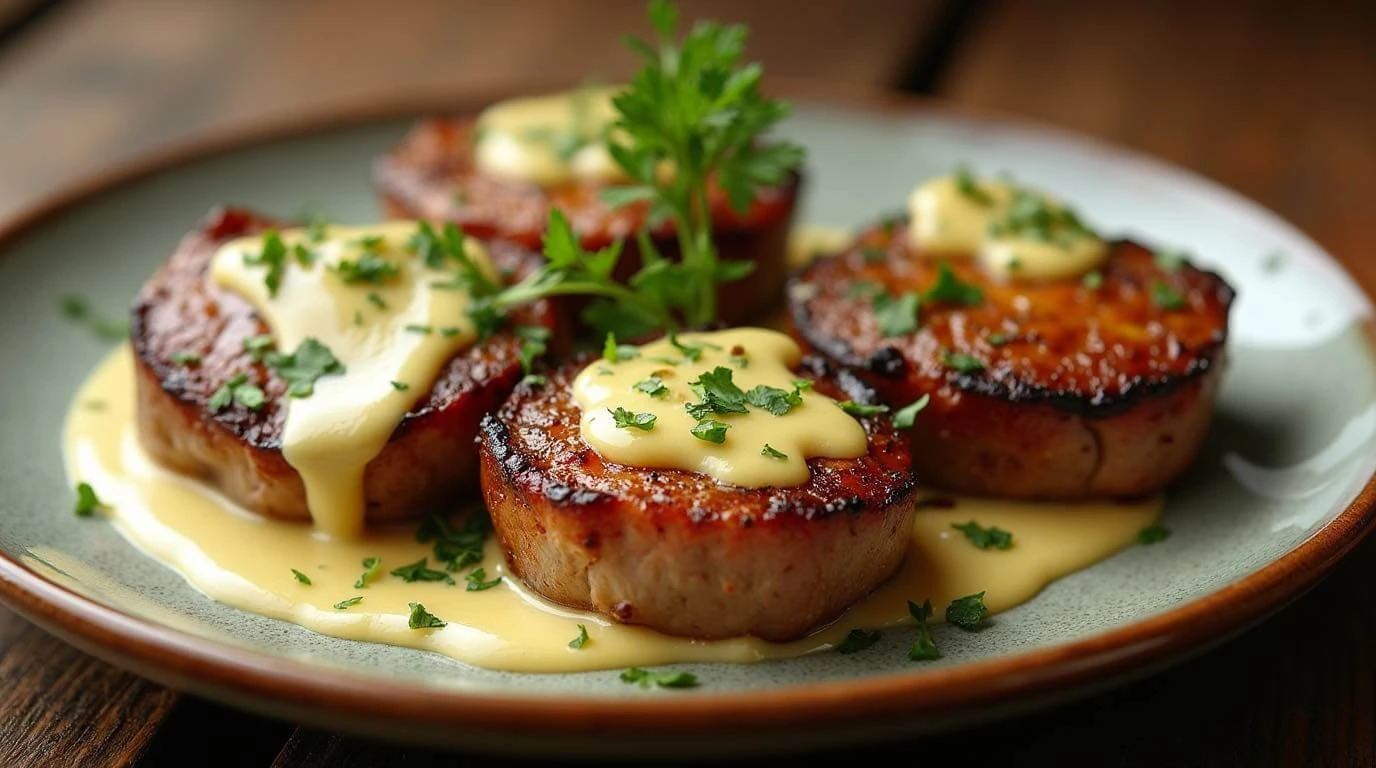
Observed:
{"x":105,"y":82}
{"x":61,"y":707}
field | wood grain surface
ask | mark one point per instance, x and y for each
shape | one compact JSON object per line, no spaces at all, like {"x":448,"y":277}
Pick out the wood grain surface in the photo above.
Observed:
{"x":1274,"y":99}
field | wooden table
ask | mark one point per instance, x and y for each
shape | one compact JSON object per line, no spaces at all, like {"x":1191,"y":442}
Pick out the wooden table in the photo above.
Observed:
{"x":1274,"y":99}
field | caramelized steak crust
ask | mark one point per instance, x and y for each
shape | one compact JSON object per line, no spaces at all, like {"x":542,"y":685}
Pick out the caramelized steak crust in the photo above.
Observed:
{"x":430,"y":457}
{"x":1078,"y":390}
{"x":678,"y":552}
{"x":431,"y":175}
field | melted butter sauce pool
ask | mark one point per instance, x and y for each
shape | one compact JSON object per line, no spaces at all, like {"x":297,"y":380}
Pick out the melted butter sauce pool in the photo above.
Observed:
{"x":247,"y":561}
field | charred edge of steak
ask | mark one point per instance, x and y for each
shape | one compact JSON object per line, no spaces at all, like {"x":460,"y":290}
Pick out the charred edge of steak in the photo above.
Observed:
{"x":888,"y":361}
{"x":527,"y":478}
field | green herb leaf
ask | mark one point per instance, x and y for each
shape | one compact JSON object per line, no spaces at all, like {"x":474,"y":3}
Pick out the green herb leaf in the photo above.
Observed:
{"x":258,"y":346}
{"x":371,"y":567}
{"x":1166,"y":297}
{"x":273,"y":256}
{"x":961,"y":363}
{"x":457,"y":548}
{"x":615,"y":353}
{"x":652,"y":386}
{"x":777,"y":401}
{"x":985,"y":538}
{"x":423,"y":619}
{"x":860,"y":409}
{"x":924,"y":647}
{"x":717,"y":393}
{"x":301,"y":577}
{"x":400,"y":386}
{"x":773,"y":453}
{"x":631,"y":420}
{"x":1153,"y":534}
{"x":896,"y":316}
{"x":376,"y":300}
{"x":477,"y":580}
{"x":1171,"y":260}
{"x":87,"y":502}
{"x":534,"y":344}
{"x":420,"y":571}
{"x":1093,"y":281}
{"x":645,"y":678}
{"x":857,"y":640}
{"x":302,"y":368}
{"x":711,"y":430}
{"x":904,"y":417}
{"x":369,"y":268}
{"x":949,"y":289}
{"x":863,"y":289}
{"x":967,"y":612}
{"x":348,"y":603}
{"x":577,"y":643}
{"x":969,"y":189}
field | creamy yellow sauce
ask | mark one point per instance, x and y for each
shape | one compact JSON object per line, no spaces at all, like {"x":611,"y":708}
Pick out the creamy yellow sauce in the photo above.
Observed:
{"x":246,"y":561}
{"x":550,"y":139}
{"x":959,"y":215}
{"x":757,"y":448}
{"x":376,"y":331}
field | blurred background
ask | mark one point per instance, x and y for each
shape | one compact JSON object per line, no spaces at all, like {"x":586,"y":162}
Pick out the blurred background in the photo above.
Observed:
{"x":1276,"y":99}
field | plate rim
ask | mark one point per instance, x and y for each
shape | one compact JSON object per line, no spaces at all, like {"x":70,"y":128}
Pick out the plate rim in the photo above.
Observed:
{"x":186,"y":661}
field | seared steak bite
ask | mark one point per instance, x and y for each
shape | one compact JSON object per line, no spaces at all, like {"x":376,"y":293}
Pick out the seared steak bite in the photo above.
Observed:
{"x":432,"y":175}
{"x":677,"y":551}
{"x":188,"y":340}
{"x":1055,"y":390}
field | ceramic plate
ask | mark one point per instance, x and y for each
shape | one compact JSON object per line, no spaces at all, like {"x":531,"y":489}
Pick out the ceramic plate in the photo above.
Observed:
{"x":1280,"y":492}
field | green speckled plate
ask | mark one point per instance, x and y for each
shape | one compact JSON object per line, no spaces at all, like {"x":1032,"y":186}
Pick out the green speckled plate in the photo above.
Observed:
{"x":1281,"y":491}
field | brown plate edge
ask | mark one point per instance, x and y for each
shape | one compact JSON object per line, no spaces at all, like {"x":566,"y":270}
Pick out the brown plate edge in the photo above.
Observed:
{"x":866,"y":705}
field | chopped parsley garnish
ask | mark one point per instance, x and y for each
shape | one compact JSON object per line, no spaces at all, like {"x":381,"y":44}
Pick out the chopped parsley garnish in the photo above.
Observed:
{"x":477,"y":580}
{"x":78,"y":310}
{"x":903,"y":418}
{"x":185,"y":357}
{"x":1093,"y":281}
{"x":302,"y":368}
{"x":577,"y":643}
{"x":87,"y":502}
{"x":1166,"y":297}
{"x":717,"y":393}
{"x":985,"y":538}
{"x":872,"y":255}
{"x":860,"y":409}
{"x":857,"y":640}
{"x":400,"y":386}
{"x":376,"y":300}
{"x":301,"y":577}
{"x":450,"y":331}
{"x":969,"y":189}
{"x":457,"y":548}
{"x":423,"y":330}
{"x":1273,"y":262}
{"x":420,"y":571}
{"x":924,"y":647}
{"x":1153,"y":534}
{"x":304,"y":256}
{"x":258,"y":346}
{"x":368,"y":268}
{"x":371,"y":567}
{"x":236,"y":390}
{"x":863,"y":289}
{"x":691,"y":352}
{"x":896,"y":316}
{"x":615,"y":353}
{"x":534,"y":380}
{"x":423,"y":619}
{"x":1032,"y":216}
{"x":949,"y":289}
{"x":273,"y":256}
{"x":998,"y":339}
{"x":645,"y":678}
{"x":711,"y":430}
{"x":534,"y":344}
{"x":631,"y":420}
{"x":318,"y":230}
{"x":777,"y":401}
{"x":967,"y":612}
{"x":773,"y":453}
{"x":344,"y":605}
{"x":1171,"y":260}
{"x":961,"y":363}
{"x":652,"y":386}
